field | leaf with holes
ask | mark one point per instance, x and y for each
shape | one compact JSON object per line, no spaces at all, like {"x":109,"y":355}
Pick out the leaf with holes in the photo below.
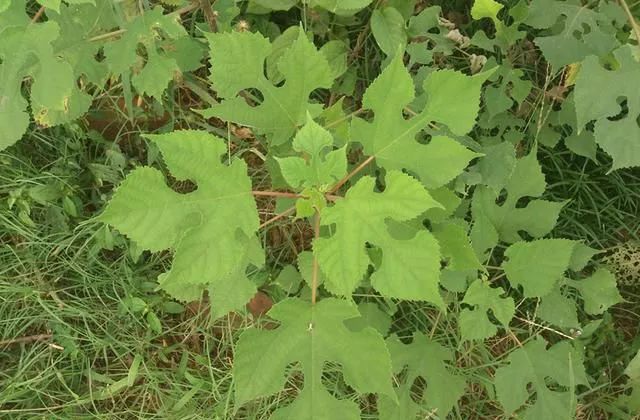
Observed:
{"x":494,"y":222}
{"x":539,"y":265}
{"x":27,"y":51}
{"x":211,"y":230}
{"x":157,"y":33}
{"x":530,"y":369}
{"x":311,"y":336}
{"x":505,"y":35}
{"x":422,"y":358}
{"x":475,"y":323}
{"x":598,"y":97}
{"x":238,"y":61}
{"x":410,"y":267}
{"x":453,"y":99}
{"x":581,"y":32}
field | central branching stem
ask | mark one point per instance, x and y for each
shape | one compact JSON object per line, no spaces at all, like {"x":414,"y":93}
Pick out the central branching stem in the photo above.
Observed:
{"x":314,"y":278}
{"x":352,"y":174}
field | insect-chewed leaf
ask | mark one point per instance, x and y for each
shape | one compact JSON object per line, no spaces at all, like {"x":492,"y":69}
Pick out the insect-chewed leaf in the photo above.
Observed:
{"x":494,"y":222}
{"x":410,"y":268}
{"x":311,"y":335}
{"x":599,"y":291}
{"x":486,"y":9}
{"x":427,"y":359}
{"x":529,"y":369}
{"x":161,"y":63}
{"x":505,"y":35}
{"x":78,"y":24}
{"x":238,"y":63}
{"x":453,"y":99}
{"x":55,"y":98}
{"x":538,"y":266}
{"x":510,"y":87}
{"x":475,"y":324}
{"x":583,"y":33}
{"x":212,"y":229}
{"x":597,"y":97}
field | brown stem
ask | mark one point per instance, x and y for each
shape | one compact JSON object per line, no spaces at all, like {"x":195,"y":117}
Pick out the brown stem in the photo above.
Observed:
{"x":278,"y":217}
{"x":209,"y":15}
{"x":38,"y":15}
{"x":186,"y":9}
{"x":632,"y":20}
{"x":515,"y":339}
{"x":362,"y":36}
{"x":332,"y":197}
{"x":27,"y":339}
{"x":346,"y":117}
{"x":351,"y":174}
{"x":276,"y":194}
{"x":314,"y":278}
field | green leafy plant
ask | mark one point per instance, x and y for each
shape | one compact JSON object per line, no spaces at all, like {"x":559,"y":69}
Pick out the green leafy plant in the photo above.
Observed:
{"x":408,"y":166}
{"x":374,"y":237}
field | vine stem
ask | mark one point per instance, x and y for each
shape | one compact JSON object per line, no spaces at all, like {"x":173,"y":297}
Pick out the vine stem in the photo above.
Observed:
{"x":38,"y":15}
{"x":351,"y":174}
{"x":209,"y":14}
{"x":278,"y":217}
{"x":362,"y":37}
{"x":560,"y":333}
{"x":632,"y":20}
{"x":276,"y":194}
{"x":314,"y":278}
{"x":290,"y":210}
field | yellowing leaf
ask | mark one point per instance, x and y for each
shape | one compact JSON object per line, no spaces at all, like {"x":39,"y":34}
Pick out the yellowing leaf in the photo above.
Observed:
{"x":55,"y":98}
{"x":485,"y":9}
